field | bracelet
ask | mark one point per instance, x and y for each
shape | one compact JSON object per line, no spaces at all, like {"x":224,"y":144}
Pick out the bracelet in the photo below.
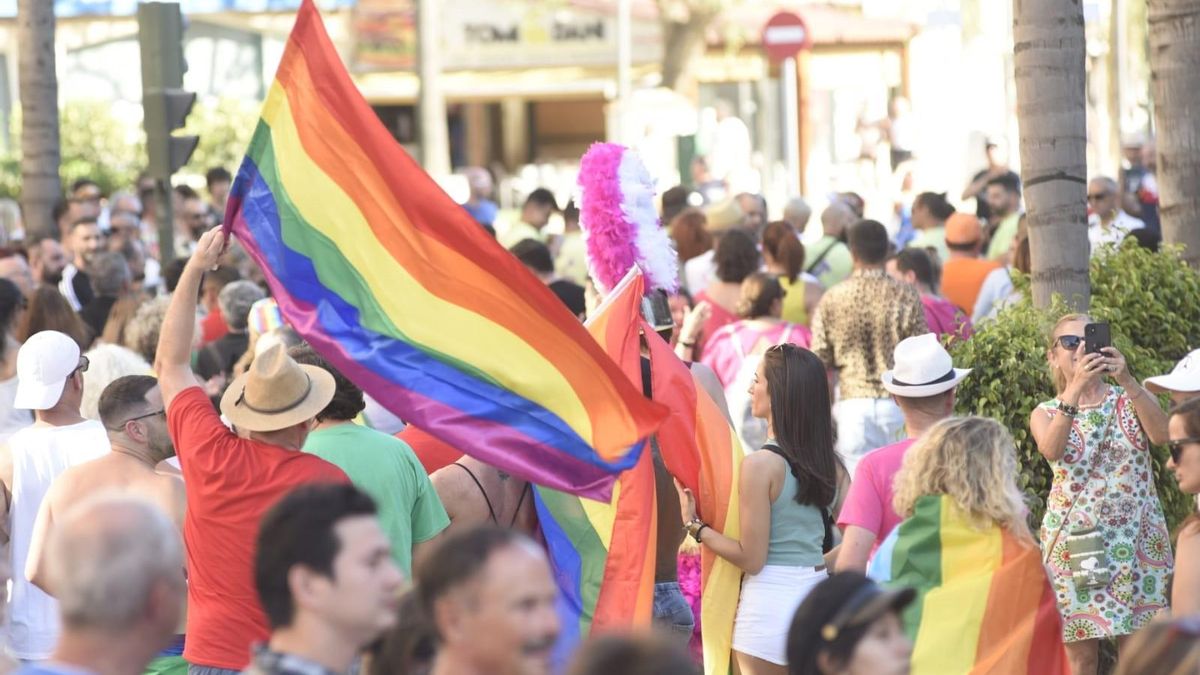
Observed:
{"x":1067,"y":409}
{"x":696,"y":534}
{"x":689,"y":345}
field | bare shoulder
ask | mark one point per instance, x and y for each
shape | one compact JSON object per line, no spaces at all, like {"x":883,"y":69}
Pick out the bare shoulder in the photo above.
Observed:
{"x":763,"y":463}
{"x":448,"y":480}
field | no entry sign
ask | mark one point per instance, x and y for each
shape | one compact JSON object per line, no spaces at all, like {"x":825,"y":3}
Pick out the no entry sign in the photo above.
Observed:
{"x":784,"y":35}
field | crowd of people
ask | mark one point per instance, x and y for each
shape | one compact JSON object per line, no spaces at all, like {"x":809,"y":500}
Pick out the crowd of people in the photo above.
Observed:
{"x":190,"y":487}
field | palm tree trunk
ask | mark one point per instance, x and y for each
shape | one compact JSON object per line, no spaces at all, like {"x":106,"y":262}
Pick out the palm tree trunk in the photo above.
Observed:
{"x":1048,"y":49}
{"x":684,"y":25}
{"x":1175,"y":82}
{"x":38,"y":83}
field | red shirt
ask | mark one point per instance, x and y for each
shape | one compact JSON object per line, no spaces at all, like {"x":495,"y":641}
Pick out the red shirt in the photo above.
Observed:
{"x":231,"y":482}
{"x":433,"y":453}
{"x":212,"y":327}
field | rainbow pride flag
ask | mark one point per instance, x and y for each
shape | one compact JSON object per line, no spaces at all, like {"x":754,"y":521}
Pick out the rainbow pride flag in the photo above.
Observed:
{"x":984,"y":604}
{"x":603,"y":552}
{"x":702,"y":450}
{"x":404,"y":293}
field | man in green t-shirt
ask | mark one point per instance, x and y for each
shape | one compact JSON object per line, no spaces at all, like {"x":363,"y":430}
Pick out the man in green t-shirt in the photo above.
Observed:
{"x":381,"y":465}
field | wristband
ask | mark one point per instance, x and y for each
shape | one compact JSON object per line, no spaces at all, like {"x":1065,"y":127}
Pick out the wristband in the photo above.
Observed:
{"x":1067,"y":409}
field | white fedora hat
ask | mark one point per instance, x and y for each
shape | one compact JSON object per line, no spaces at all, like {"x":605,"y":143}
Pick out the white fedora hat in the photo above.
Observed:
{"x":923,"y":368}
{"x":1185,"y":377}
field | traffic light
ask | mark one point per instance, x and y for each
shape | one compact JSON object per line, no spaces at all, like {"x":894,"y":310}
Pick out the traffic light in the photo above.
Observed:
{"x":165,"y":104}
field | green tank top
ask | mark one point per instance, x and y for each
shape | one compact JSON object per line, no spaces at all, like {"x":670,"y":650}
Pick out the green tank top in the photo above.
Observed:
{"x":797,"y":530}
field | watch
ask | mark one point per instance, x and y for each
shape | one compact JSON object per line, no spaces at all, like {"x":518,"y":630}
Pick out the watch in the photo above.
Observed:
{"x":1068,"y":409}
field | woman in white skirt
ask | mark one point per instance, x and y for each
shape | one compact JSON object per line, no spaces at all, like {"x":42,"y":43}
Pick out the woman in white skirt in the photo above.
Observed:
{"x":785,"y":490}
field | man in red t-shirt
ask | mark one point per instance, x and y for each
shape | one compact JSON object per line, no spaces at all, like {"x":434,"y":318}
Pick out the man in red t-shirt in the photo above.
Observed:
{"x":232,"y":479}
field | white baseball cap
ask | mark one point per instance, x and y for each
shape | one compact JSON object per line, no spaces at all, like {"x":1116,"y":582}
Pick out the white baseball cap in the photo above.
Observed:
{"x":923,"y":368}
{"x":44,"y":363}
{"x":1184,"y":378}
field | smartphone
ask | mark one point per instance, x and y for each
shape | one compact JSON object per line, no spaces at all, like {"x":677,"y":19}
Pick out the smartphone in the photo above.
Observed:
{"x":1096,"y":336}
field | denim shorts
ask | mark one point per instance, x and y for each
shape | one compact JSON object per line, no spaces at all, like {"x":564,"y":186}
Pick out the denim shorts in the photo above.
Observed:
{"x":672,"y":612}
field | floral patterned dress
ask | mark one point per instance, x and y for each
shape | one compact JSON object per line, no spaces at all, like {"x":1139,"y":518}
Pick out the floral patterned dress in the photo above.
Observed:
{"x":1106,"y":472}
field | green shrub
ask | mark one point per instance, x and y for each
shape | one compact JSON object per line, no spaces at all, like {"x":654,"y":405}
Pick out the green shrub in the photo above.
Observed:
{"x":110,"y":149}
{"x":1153,"y":303}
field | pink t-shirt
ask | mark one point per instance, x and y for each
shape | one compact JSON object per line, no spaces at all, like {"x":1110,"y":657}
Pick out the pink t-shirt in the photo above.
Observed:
{"x":944,"y":318}
{"x":869,"y":503}
{"x":729,"y":346}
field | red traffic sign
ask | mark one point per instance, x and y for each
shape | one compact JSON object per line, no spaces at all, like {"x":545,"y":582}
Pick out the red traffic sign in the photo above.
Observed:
{"x":784,"y":35}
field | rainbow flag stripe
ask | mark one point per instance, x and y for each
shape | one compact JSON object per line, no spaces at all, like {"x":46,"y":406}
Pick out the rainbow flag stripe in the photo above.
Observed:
{"x":404,"y":293}
{"x":984,"y":604}
{"x":603,"y":552}
{"x":701,"y":449}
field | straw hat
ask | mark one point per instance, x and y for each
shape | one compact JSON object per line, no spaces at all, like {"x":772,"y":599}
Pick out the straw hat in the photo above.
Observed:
{"x":723,"y":215}
{"x":276,"y":393}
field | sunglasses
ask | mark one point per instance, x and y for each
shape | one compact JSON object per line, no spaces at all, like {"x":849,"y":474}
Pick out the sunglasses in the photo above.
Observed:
{"x":1176,"y":447}
{"x":83,"y":365}
{"x":1069,"y":342}
{"x":1097,"y":197}
{"x":160,"y":411}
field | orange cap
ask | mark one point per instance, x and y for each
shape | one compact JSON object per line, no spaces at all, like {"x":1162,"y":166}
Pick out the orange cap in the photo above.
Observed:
{"x":963,"y":228}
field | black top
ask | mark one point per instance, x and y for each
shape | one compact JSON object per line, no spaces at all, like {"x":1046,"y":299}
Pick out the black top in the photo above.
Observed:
{"x":220,"y":355}
{"x":571,"y":294}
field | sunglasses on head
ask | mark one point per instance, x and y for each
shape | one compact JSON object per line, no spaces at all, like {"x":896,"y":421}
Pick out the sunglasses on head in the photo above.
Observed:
{"x":1176,"y":447}
{"x":1069,"y":342}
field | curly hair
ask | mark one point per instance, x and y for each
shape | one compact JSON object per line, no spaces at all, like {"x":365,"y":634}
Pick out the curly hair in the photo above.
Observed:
{"x":971,"y":460}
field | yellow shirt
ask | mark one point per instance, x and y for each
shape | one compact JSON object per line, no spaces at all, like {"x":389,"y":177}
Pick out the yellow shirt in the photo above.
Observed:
{"x":793,"y":303}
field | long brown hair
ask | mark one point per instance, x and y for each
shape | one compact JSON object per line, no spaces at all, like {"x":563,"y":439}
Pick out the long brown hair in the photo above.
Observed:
{"x":690,"y":235}
{"x":780,"y":240}
{"x":49,"y":310}
{"x":802,"y":421}
{"x":1190,"y":412}
{"x":119,"y":317}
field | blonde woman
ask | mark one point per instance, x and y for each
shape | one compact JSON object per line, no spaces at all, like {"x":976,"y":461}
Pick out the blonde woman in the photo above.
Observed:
{"x":957,"y":491}
{"x":1097,"y":438}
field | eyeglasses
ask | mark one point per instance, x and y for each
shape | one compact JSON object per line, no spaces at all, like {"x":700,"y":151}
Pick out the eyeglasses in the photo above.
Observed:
{"x":1069,"y":342}
{"x":1098,"y":196}
{"x":83,"y":365}
{"x":160,"y":411}
{"x":1176,"y":447}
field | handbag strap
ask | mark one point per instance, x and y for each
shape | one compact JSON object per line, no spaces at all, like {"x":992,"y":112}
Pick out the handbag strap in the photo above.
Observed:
{"x":1091,"y":474}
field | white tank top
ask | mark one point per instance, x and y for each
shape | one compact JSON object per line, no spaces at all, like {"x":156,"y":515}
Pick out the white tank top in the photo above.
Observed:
{"x":39,"y":455}
{"x":12,"y":420}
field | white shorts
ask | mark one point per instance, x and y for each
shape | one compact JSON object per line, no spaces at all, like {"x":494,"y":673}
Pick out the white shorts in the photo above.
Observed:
{"x":765,"y":608}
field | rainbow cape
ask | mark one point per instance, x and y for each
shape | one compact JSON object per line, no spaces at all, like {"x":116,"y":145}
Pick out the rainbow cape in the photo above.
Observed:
{"x":984,"y":604}
{"x":403,"y":292}
{"x":603,"y":552}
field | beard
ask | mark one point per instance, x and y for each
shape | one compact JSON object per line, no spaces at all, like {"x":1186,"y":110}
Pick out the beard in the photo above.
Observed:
{"x":52,"y":277}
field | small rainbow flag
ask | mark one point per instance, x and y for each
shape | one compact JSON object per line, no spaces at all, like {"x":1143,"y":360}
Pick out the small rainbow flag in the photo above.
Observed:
{"x":603,"y":552}
{"x":984,"y":604}
{"x":403,"y":292}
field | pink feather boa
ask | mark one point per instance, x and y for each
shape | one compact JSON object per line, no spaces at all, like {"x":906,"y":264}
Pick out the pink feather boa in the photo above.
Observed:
{"x":618,"y":219}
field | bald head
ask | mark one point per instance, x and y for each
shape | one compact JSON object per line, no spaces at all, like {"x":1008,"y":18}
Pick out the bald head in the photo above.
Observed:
{"x":797,"y":212}
{"x":836,"y":218}
{"x":115,"y":563}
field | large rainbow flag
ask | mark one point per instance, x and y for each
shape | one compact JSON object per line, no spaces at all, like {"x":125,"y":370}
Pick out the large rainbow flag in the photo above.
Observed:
{"x":404,"y":293}
{"x":984,"y":604}
{"x":603,"y":552}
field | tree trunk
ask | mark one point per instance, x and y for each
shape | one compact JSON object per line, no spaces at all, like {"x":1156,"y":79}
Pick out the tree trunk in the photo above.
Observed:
{"x":683,"y":42}
{"x":38,"y":89}
{"x":1175,"y":82}
{"x":1048,"y":49}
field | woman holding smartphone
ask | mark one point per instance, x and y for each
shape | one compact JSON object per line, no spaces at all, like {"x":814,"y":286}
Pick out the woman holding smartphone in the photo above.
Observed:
{"x":1104,"y":535}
